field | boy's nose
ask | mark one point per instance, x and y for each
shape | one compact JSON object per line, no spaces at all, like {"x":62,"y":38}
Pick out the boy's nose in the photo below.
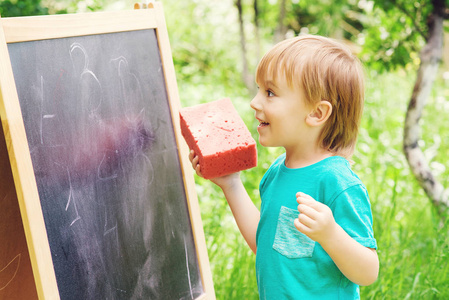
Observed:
{"x":255,"y":103}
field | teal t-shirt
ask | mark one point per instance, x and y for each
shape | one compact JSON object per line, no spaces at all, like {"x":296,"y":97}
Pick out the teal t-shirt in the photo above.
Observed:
{"x":289,"y":265}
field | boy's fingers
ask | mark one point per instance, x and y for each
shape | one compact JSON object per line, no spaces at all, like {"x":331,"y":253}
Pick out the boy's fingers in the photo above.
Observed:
{"x":306,"y":220}
{"x":307,"y":210}
{"x":196,"y":166}
{"x":195,"y":163}
{"x":304,"y":195}
{"x":315,"y":205}
{"x":198,"y":170}
{"x":302,"y":198}
{"x":301,"y":227}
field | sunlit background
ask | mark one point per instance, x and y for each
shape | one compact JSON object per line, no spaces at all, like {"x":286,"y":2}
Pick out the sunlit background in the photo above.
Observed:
{"x":215,"y":52}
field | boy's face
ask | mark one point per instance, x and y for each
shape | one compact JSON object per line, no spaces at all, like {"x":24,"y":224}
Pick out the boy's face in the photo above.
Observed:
{"x":281,"y":112}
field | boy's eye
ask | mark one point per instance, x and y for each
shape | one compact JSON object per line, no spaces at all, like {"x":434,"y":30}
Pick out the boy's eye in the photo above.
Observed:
{"x":270,"y":93}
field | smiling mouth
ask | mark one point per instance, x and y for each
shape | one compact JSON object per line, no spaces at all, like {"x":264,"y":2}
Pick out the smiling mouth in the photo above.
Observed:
{"x":263,"y":124}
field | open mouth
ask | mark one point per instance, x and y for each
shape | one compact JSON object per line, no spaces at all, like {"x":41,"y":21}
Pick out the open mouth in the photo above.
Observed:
{"x":263,"y":124}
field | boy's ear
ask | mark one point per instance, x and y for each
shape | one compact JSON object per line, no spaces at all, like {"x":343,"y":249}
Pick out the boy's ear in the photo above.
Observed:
{"x":320,"y":114}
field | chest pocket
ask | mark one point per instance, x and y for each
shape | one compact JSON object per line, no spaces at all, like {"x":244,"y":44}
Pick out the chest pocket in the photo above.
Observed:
{"x":288,"y":241}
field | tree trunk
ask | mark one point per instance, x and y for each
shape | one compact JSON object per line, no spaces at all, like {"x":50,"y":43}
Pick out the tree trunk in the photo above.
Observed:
{"x":246,"y":76}
{"x":281,"y":30}
{"x":257,"y":29}
{"x":430,"y":59}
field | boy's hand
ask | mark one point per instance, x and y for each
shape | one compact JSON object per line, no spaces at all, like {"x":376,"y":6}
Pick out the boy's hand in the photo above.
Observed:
{"x":223,"y":182}
{"x":194,"y":160}
{"x":315,"y":219}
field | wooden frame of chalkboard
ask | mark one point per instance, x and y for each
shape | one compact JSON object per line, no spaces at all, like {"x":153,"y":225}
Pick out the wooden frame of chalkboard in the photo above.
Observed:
{"x":126,"y":151}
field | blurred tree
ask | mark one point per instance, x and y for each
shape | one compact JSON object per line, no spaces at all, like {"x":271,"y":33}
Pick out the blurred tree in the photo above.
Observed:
{"x":257,"y":28}
{"x":278,"y":19}
{"x":338,"y":18}
{"x":75,"y":6}
{"x":15,"y":8}
{"x":403,"y":33}
{"x":247,"y":77}
{"x":392,"y":33}
{"x":282,"y":26}
{"x":430,"y":57}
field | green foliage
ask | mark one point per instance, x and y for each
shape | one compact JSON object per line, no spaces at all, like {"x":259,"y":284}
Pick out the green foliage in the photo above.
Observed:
{"x":15,"y":8}
{"x":329,"y":18}
{"x":206,"y":52}
{"x":394,"y":34}
{"x":74,"y":6}
{"x":413,"y":244}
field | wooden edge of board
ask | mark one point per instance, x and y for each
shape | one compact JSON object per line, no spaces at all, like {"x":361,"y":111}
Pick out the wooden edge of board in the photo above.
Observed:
{"x":24,"y":180}
{"x":23,"y":29}
{"x":183,"y":150}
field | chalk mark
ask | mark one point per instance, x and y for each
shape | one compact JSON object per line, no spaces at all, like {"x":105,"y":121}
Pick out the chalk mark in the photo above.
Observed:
{"x":70,"y":200}
{"x":17,"y":258}
{"x":89,"y":72}
{"x":86,"y":70}
{"x":123,"y":73}
{"x":107,"y":231}
{"x":188,"y":271}
{"x":107,"y":177}
{"x":41,"y":125}
{"x":75,"y":46}
{"x":152,"y":169}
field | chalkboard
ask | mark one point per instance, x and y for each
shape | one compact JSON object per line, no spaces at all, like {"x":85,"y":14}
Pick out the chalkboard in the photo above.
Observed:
{"x":105,"y":156}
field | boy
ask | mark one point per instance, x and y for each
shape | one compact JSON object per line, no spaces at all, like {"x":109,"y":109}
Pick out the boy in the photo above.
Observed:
{"x":313,"y":236}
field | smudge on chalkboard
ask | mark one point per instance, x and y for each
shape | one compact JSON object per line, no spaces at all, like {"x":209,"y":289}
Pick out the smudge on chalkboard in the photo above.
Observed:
{"x":110,"y":143}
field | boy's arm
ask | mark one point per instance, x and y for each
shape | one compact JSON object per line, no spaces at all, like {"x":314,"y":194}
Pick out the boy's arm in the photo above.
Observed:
{"x":245,"y":212}
{"x":358,"y":263}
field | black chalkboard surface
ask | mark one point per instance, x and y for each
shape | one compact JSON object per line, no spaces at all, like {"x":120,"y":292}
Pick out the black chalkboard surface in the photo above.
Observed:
{"x":106,"y":164}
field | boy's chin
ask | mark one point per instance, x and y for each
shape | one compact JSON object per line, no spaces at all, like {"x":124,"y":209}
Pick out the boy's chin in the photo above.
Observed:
{"x":264,"y":143}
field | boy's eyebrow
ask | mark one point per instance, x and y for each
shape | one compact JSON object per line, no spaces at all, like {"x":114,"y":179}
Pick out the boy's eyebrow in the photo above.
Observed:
{"x":269,"y":83}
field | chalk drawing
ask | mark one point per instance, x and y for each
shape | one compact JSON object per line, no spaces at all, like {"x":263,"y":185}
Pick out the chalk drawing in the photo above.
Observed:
{"x":147,"y":159}
{"x":12,"y":265}
{"x":41,"y":121}
{"x":129,"y":83}
{"x":113,"y":176}
{"x":188,"y":270}
{"x":86,"y":72}
{"x":106,"y":230}
{"x":72,"y":199}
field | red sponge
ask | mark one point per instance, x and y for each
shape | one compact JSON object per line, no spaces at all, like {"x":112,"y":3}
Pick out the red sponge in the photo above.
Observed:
{"x":219,"y":137}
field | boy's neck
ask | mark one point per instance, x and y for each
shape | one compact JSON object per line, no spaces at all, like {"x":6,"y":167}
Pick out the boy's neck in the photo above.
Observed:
{"x":304,"y":157}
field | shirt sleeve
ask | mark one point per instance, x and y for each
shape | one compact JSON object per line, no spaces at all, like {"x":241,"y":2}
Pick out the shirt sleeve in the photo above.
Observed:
{"x":352,"y":211}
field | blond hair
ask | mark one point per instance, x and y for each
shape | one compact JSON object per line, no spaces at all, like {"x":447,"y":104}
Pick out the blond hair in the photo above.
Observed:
{"x":325,"y":70}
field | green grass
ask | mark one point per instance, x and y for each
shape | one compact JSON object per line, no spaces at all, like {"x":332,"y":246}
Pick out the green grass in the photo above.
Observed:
{"x":412,"y":239}
{"x":413,"y":242}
